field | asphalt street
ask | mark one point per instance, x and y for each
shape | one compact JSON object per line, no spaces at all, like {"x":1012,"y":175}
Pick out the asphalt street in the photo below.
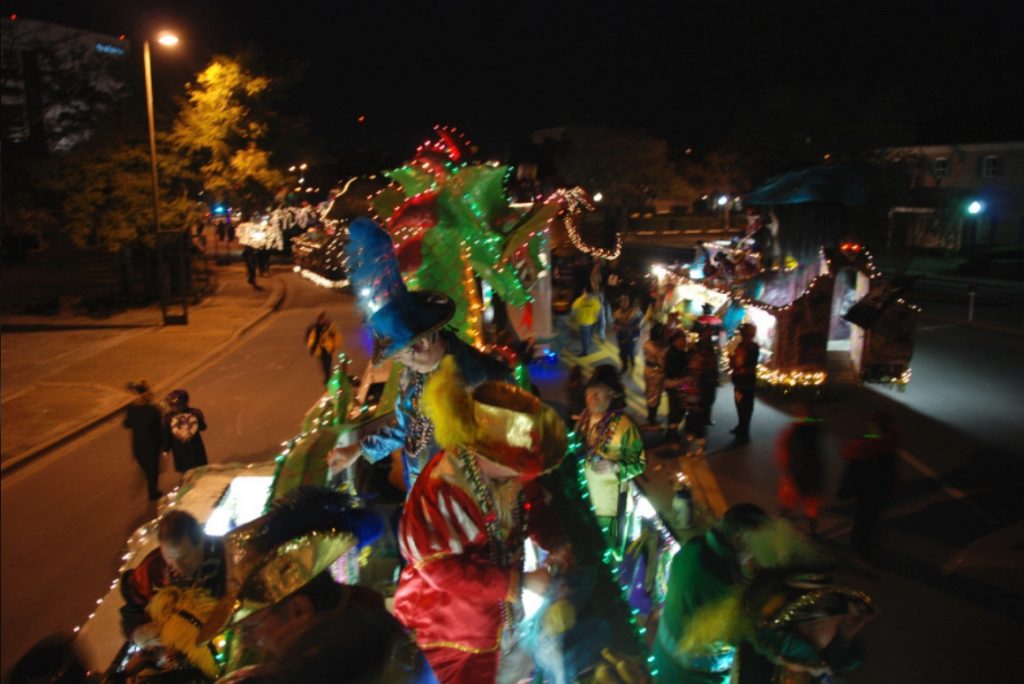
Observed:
{"x":949,"y":569}
{"x":66,"y":517}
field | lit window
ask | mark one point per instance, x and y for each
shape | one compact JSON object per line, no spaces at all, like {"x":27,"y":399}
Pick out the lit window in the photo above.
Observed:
{"x":940,"y":167}
{"x":991,"y":165}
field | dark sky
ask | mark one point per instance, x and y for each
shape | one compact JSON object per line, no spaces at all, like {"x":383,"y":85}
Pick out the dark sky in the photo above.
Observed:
{"x":679,"y":69}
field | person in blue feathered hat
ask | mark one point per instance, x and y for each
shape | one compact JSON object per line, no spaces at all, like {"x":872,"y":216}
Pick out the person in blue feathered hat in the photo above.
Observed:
{"x":409,"y":327}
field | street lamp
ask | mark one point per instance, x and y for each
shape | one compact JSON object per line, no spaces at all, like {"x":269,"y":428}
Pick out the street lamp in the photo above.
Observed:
{"x":167,"y":39}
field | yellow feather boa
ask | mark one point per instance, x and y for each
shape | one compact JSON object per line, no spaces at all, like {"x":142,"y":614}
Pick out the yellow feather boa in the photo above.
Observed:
{"x":176,"y":630}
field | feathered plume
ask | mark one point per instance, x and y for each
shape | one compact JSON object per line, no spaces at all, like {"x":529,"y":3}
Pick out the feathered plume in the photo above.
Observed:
{"x":778,"y":544}
{"x":447,"y":403}
{"x":372,"y":265}
{"x":316,"y":509}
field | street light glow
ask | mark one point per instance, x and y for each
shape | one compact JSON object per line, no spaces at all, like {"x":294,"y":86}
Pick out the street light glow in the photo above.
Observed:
{"x":975,"y":207}
{"x":167,"y":38}
{"x":598,"y":197}
{"x":722,"y":200}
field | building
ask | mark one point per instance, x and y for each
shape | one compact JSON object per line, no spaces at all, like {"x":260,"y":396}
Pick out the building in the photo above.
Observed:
{"x":55,"y":80}
{"x":962,"y":197}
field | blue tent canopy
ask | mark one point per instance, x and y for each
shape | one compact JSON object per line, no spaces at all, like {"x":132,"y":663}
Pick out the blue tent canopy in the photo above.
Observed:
{"x":815,"y":184}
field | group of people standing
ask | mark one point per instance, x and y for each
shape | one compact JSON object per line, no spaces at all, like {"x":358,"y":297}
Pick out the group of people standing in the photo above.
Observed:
{"x":171,"y":427}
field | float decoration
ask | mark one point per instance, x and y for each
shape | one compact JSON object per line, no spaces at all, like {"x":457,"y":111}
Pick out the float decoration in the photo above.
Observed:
{"x":452,"y":223}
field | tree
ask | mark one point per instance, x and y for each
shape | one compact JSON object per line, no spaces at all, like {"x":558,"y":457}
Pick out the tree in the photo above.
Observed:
{"x":107,"y":196}
{"x":218,"y":131}
{"x":630,"y":168}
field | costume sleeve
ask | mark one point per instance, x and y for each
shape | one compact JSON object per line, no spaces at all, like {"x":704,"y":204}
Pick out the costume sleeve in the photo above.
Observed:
{"x":633,"y":458}
{"x":136,"y":588}
{"x":384,"y":441}
{"x":202,"y":419}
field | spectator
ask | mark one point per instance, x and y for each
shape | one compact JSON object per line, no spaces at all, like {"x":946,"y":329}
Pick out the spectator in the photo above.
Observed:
{"x":743,"y":364}
{"x":627,"y":319}
{"x":677,"y":370}
{"x":587,"y":311}
{"x":870,"y":477}
{"x":323,"y":341}
{"x":654,"y":371}
{"x":798,"y":455}
{"x":143,"y":418}
{"x":182,"y":425}
{"x":577,"y":392}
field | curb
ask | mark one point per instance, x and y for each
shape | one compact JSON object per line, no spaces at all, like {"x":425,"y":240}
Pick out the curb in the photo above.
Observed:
{"x":21,"y":460}
{"x":1005,"y":330}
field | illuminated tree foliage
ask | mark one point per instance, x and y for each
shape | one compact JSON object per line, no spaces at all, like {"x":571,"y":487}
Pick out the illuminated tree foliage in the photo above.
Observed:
{"x":218,"y":130}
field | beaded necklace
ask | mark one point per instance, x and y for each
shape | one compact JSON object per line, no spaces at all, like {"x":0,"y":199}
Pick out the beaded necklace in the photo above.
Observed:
{"x":420,"y":429}
{"x":597,"y":437}
{"x":503,"y":549}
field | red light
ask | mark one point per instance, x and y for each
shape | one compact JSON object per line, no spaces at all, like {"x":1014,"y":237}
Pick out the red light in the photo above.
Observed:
{"x":14,"y":17}
{"x":121,"y":37}
{"x":361,"y":119}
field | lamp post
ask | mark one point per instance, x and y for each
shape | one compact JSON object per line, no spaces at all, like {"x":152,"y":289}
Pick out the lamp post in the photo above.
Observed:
{"x":169,"y":40}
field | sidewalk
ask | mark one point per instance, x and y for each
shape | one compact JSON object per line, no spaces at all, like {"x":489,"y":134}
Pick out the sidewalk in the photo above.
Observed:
{"x":62,"y":375}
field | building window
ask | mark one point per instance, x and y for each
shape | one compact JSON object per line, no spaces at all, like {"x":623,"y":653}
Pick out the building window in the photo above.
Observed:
{"x":991,"y":165}
{"x":940,"y":167}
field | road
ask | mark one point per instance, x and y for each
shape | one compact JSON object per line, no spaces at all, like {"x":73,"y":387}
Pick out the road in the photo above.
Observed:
{"x":950,"y":547}
{"x":65,"y":519}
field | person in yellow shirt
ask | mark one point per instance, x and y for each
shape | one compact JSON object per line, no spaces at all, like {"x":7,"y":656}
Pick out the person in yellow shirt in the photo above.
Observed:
{"x":586,"y":310}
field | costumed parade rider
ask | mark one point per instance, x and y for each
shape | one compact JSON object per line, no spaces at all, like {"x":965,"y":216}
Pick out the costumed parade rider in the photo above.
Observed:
{"x":408,"y":326}
{"x":186,"y":562}
{"x":614,"y":454}
{"x":465,"y":522}
{"x":284,"y":603}
{"x":786,"y":620}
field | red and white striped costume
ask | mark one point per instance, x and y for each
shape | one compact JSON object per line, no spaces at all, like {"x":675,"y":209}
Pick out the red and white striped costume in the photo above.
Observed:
{"x":460,"y":584}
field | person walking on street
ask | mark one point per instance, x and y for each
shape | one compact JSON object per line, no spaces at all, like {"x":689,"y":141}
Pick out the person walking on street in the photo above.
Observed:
{"x":323,"y":340}
{"x":743,"y":364}
{"x":677,"y":369}
{"x":707,"y":381}
{"x":587,"y":311}
{"x":870,"y":477}
{"x":250,"y":259}
{"x":798,"y":454}
{"x":627,"y":319}
{"x":143,"y":418}
{"x":654,"y":371}
{"x":182,"y":425}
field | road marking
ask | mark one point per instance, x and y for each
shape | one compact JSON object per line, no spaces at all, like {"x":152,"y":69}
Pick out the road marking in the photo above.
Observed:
{"x":952,"y":492}
{"x":926,"y":470}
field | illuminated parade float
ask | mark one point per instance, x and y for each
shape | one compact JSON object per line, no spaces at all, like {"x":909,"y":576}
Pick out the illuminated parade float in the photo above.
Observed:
{"x":819,"y":304}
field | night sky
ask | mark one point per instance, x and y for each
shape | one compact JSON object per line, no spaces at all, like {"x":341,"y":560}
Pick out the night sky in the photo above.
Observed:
{"x":680,"y":70}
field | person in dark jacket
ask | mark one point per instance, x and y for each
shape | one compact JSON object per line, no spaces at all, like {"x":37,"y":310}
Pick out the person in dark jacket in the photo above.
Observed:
{"x":870,"y":477}
{"x":743,"y":363}
{"x":143,"y":418}
{"x":182,"y":425}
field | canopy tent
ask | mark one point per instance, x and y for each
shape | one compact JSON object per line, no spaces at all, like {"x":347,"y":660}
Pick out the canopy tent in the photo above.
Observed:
{"x":811,"y":209}
{"x":815,"y":184}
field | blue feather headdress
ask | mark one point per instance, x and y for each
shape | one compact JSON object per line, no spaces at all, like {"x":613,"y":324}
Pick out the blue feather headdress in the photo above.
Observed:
{"x":396,"y":316}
